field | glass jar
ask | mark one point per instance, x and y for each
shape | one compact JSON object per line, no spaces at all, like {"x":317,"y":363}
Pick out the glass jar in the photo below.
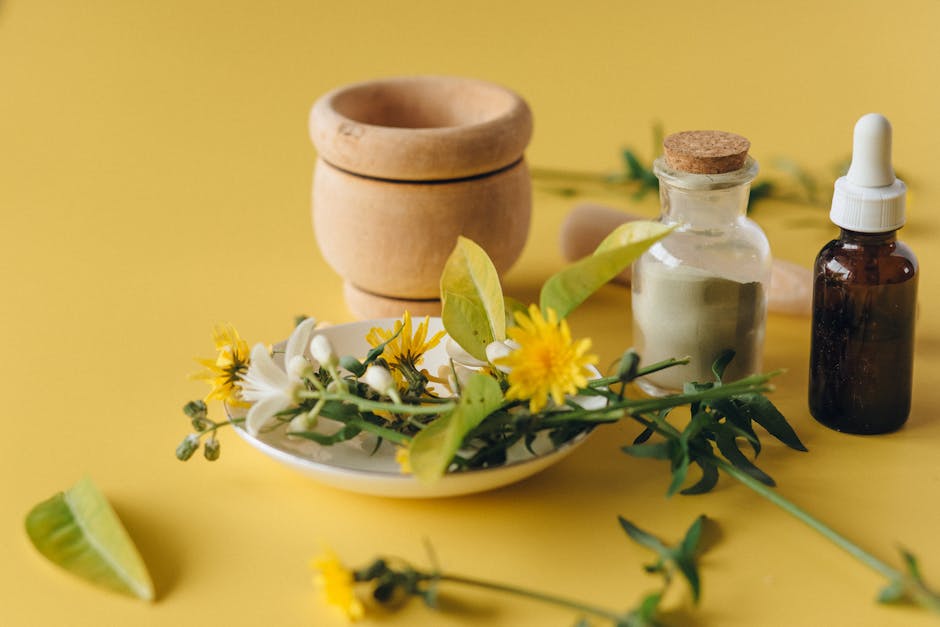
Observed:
{"x":702,"y":289}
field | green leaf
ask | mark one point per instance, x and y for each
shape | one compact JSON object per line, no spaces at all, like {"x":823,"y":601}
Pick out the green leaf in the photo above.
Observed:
{"x":512,"y":306}
{"x":473,"y":310}
{"x":679,"y":472}
{"x":721,"y":363}
{"x":708,"y":481}
{"x":567,"y":289}
{"x":78,"y":531}
{"x":728,"y":408}
{"x":645,"y":538}
{"x":692,"y":536}
{"x":657,"y":450}
{"x":759,"y":408}
{"x":346,"y":432}
{"x":377,"y":351}
{"x":913,"y":568}
{"x":434,"y":447}
{"x":894,"y":592}
{"x":728,"y":446}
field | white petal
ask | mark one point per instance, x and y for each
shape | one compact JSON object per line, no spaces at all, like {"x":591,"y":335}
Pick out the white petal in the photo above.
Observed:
{"x":459,"y":355}
{"x":263,"y":377}
{"x":299,"y":340}
{"x":262,"y":411}
{"x":495,"y":350}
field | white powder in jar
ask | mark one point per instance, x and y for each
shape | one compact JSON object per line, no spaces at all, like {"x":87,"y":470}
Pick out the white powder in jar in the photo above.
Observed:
{"x":680,"y":311}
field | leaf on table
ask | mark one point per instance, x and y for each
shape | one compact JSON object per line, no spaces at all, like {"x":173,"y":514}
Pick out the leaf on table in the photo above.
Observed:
{"x":567,"y":289}
{"x":80,"y":532}
{"x":472,"y":306}
{"x":433,"y":448}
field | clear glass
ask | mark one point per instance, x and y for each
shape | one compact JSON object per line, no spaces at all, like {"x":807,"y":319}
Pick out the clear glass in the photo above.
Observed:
{"x":702,"y":289}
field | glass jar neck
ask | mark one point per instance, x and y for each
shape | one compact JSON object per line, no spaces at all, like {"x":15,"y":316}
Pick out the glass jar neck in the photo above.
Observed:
{"x":704,"y":201}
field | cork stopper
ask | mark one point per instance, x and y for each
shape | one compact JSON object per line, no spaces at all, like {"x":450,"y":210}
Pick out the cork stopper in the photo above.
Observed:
{"x":706,"y":152}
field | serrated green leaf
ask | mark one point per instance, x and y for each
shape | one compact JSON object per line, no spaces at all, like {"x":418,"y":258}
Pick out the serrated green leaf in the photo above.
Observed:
{"x":79,"y":531}
{"x":567,"y":289}
{"x":729,"y":409}
{"x":759,"y":408}
{"x":708,"y":480}
{"x":433,"y":448}
{"x":727,"y":444}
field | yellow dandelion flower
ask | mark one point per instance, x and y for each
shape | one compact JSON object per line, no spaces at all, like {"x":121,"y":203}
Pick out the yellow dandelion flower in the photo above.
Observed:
{"x":338,"y":584}
{"x":403,"y":458}
{"x":231,"y":362}
{"x":407,"y":349}
{"x":547,"y":362}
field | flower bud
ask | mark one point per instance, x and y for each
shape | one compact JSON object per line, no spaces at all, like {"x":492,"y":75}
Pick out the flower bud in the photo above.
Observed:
{"x":196,"y":410}
{"x":187,"y":447}
{"x":302,"y":422}
{"x":322,"y":350}
{"x":297,"y":367}
{"x":212,"y":449}
{"x":380,"y":380}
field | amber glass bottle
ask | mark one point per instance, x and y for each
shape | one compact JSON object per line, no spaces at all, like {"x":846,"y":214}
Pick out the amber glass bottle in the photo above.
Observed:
{"x":862,"y":349}
{"x":864,"y":297}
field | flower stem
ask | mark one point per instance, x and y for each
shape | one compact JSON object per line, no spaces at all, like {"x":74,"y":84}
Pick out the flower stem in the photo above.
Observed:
{"x":395,"y":408}
{"x":828,"y":532}
{"x":915,"y":589}
{"x":533,"y":594}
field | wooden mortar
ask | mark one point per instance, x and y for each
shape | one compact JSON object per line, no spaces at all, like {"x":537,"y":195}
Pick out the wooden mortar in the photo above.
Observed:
{"x":405,"y":166}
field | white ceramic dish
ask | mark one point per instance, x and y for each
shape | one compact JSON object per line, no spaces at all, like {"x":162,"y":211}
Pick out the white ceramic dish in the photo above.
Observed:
{"x":354,"y":467}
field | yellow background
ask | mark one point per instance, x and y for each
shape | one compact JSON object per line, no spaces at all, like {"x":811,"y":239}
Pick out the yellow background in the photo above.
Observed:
{"x":155,"y":176}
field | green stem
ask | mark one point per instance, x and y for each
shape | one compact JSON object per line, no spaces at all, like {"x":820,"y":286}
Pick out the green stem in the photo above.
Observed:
{"x":915,"y":588}
{"x":642,"y":372}
{"x":828,"y":532}
{"x":386,"y":434}
{"x":751,"y":384}
{"x":533,"y":594}
{"x":395,"y":408}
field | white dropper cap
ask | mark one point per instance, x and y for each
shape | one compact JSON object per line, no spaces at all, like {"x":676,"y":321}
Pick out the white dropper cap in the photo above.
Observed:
{"x":869,"y":199}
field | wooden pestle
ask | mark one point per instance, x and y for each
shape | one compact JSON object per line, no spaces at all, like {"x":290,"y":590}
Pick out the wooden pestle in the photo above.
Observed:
{"x":588,"y":224}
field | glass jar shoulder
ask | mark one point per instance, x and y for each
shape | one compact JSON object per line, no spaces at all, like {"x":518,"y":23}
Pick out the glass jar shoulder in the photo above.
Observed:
{"x":843,"y":261}
{"x":739,"y":250}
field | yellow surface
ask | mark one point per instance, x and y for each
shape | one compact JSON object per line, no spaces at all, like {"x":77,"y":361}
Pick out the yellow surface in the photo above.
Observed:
{"x":154,"y":179}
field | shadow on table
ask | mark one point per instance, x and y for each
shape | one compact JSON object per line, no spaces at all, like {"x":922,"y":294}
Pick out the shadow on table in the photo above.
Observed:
{"x":155,"y":545}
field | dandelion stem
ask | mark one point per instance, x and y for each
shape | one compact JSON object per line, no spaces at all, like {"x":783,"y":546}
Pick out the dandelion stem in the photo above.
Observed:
{"x":917,"y":591}
{"x":533,"y":594}
{"x":791,"y":508}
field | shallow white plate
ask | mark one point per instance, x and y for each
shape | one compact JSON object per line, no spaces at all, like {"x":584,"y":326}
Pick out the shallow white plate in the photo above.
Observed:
{"x":353,"y":466}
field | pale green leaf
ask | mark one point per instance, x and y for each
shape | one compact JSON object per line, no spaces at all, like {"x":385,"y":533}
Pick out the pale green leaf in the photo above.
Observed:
{"x":472,"y":299}
{"x":567,"y":289}
{"x":434,"y":447}
{"x":79,"y":531}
